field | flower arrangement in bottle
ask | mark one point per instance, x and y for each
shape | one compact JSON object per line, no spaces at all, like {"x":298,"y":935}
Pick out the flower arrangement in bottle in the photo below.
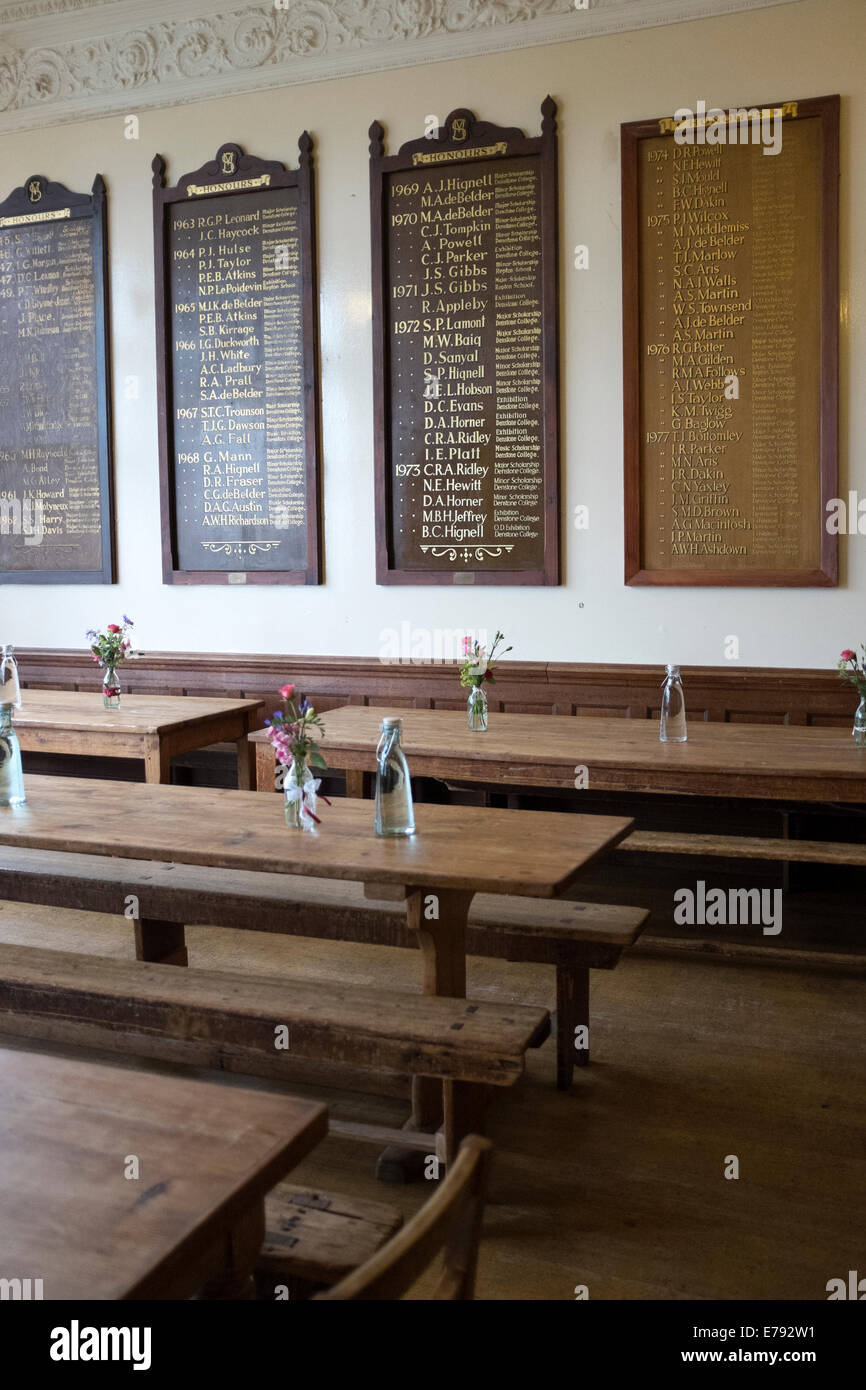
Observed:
{"x":109,"y":649}
{"x":477,"y":671}
{"x":291,"y":733}
{"x":851,"y":670}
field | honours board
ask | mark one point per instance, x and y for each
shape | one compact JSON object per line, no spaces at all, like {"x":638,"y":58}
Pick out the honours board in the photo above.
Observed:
{"x":238,"y":372}
{"x":466,"y":355}
{"x":731,"y":375}
{"x":56,"y":524}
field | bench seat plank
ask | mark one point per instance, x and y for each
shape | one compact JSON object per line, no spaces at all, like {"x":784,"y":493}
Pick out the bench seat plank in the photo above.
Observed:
{"x":746,"y":847}
{"x":574,"y":937}
{"x":384,"y":1030}
{"x":319,"y":1237}
{"x":504,"y":927}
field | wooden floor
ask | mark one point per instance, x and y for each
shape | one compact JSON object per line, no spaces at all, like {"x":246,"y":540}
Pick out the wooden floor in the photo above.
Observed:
{"x":620,"y":1184}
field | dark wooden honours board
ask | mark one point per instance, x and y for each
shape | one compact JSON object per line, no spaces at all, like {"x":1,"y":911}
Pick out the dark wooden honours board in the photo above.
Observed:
{"x":56,"y":504}
{"x":731,"y":303}
{"x":465,"y":355}
{"x":237,"y":371}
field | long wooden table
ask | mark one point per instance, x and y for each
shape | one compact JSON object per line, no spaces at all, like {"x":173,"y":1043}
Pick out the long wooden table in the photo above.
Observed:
{"x":756,"y":761}
{"x":195,"y":1215}
{"x":457,"y":849}
{"x":154,"y":728}
{"x":455,"y":853}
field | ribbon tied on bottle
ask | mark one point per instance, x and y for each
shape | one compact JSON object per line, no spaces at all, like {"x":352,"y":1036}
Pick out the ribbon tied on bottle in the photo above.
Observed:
{"x":307,"y":795}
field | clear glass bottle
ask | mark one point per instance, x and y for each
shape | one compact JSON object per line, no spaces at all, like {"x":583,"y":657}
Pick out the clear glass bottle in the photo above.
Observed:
{"x":11,"y":775}
{"x":672,"y":726}
{"x":300,"y":808}
{"x":476,"y":709}
{"x":859,"y":730}
{"x":394,"y":814}
{"x":111,"y":688}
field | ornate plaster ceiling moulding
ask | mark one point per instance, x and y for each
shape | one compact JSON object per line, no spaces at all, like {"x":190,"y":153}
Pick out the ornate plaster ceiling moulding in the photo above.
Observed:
{"x":63,"y":60}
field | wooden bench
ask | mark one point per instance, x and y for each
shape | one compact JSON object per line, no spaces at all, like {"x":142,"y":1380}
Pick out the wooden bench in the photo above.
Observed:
{"x":314,"y":1239}
{"x":573,"y":937}
{"x":447,"y":1229}
{"x":236,"y":1022}
{"x":746,"y":847}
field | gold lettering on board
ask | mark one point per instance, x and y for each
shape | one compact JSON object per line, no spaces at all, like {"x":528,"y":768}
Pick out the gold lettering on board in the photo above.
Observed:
{"x":475,"y":152}
{"x":197,"y":190}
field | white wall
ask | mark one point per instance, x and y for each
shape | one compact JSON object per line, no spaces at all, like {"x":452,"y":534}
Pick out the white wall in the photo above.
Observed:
{"x":808,"y":49}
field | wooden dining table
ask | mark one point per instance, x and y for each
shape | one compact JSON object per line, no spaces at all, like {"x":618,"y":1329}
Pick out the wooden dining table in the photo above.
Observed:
{"x":126,"y":1184}
{"x":455,"y":853}
{"x":755,"y":761}
{"x":154,"y":728}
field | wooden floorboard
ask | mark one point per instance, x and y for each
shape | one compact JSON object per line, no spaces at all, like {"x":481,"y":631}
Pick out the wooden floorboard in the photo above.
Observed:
{"x":619,"y":1184}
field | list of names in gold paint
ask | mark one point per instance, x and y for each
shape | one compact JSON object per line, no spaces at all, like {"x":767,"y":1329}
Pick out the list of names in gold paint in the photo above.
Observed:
{"x":729,"y":409}
{"x":465,"y":331}
{"x":238,"y":398}
{"x":49,"y":467}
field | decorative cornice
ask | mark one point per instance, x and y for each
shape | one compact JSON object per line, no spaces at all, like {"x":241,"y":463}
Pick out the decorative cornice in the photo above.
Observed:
{"x":63,"y":60}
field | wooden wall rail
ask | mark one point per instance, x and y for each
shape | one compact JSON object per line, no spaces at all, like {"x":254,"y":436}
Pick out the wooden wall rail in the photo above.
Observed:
{"x":719,"y":693}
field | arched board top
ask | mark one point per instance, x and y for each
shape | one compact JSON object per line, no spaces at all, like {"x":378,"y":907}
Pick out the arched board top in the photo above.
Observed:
{"x":233,"y":171}
{"x":38,"y":194}
{"x":463,"y":136}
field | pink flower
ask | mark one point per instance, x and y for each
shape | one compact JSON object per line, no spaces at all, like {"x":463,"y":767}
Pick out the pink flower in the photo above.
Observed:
{"x":848,"y":655}
{"x":114,"y":627}
{"x":287,"y":691}
{"x":467,"y":645}
{"x":281,"y":745}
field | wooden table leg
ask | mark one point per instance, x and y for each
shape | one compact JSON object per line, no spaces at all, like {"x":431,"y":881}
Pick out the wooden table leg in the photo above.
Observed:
{"x":572,"y":1011}
{"x":465,"y":1104}
{"x":357,"y":783}
{"x":266,"y":767}
{"x":440,"y":920}
{"x":157,"y":762}
{"x":242,"y":1248}
{"x":246,"y":763}
{"x":786,"y":863}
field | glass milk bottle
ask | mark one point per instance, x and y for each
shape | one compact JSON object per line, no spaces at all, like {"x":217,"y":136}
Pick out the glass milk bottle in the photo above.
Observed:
{"x":672,"y":727}
{"x":394,"y":814}
{"x":11,"y":775}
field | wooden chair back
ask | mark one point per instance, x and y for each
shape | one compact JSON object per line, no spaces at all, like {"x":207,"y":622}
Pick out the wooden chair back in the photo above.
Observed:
{"x":450,"y":1222}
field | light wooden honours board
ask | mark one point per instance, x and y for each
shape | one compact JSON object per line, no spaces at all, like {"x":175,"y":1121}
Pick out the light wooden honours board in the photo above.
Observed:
{"x":237,"y":371}
{"x":465,"y":354}
{"x":731,"y":302}
{"x":56,"y":506}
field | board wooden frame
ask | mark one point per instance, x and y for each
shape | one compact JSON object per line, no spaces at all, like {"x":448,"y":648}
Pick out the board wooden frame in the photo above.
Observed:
{"x":478,"y":133}
{"x":826,"y":109}
{"x":247,"y":168}
{"x":56,"y":198}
